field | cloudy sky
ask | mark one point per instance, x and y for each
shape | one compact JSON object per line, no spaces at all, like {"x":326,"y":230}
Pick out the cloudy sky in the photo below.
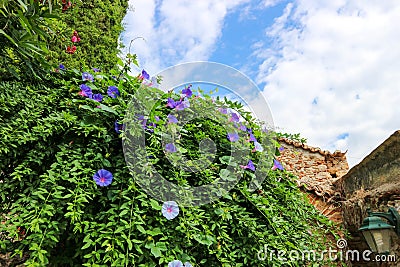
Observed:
{"x":329,"y":70}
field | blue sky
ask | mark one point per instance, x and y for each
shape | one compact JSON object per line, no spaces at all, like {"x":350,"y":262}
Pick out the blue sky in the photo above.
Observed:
{"x":328,"y":69}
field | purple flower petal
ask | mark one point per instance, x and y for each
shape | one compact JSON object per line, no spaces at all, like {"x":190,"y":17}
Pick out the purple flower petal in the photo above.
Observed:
{"x":145,"y":75}
{"x":171,"y":103}
{"x":103,"y":177}
{"x":234,"y":117}
{"x":170,"y":210}
{"x":182,"y":105}
{"x":188,"y":264}
{"x":85,"y":90}
{"x":223,"y":110}
{"x":96,"y":70}
{"x":281,"y":148}
{"x":187,"y":91}
{"x":97,"y":97}
{"x":250,"y":165}
{"x":175,"y":263}
{"x":61,"y":67}
{"x":277,"y":165}
{"x":86,"y":76}
{"x":252,"y":138}
{"x":118,"y":127}
{"x":233,"y":137}
{"x":172,"y":119}
{"x":112,"y":91}
{"x":170,"y":147}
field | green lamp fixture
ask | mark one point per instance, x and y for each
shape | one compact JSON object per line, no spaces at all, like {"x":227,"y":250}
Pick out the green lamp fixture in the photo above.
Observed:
{"x":377,"y":232}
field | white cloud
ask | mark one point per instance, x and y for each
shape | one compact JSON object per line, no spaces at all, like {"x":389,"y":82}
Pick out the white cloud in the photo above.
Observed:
{"x":183,"y":31}
{"x":345,"y":55}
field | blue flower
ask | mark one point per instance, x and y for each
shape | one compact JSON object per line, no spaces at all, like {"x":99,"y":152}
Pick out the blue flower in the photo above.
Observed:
{"x":234,"y":117}
{"x":223,"y":110}
{"x":96,"y":70}
{"x":281,"y":148}
{"x":233,"y":137}
{"x":103,"y":177}
{"x":85,"y":90}
{"x":97,"y":97}
{"x":250,"y":165}
{"x":61,"y":67}
{"x":170,"y":147}
{"x":175,"y":263}
{"x":172,"y":119}
{"x":145,"y":75}
{"x":118,"y":127}
{"x":171,"y":103}
{"x":257,"y":147}
{"x":182,"y":105}
{"x":277,"y":165}
{"x":112,"y":91}
{"x":170,"y":209}
{"x":252,"y":138}
{"x":187,"y":92}
{"x":86,"y":76}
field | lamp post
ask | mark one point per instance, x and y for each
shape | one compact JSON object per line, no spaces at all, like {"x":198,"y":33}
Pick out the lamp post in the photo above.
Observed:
{"x":377,"y":232}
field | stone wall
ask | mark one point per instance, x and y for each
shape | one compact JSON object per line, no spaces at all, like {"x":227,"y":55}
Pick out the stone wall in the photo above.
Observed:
{"x":375,"y":184}
{"x":317,"y":171}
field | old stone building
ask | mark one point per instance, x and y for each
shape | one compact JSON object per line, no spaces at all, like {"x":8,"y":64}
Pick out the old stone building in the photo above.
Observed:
{"x":317,"y":171}
{"x":345,"y":195}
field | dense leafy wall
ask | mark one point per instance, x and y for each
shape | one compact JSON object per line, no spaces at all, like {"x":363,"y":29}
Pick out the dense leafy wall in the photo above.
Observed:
{"x":53,"y":142}
{"x":98,"y":24}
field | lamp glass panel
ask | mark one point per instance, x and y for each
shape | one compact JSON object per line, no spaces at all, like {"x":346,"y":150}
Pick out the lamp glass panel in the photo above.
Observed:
{"x":370,"y":240}
{"x":382,"y":239}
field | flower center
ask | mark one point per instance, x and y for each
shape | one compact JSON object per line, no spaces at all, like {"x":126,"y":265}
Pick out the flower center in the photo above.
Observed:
{"x":102,"y":179}
{"x":169,"y":210}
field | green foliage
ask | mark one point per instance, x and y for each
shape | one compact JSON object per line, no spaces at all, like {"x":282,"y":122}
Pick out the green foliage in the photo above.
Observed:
{"x":294,"y":137}
{"x":23,"y":31}
{"x":54,"y":140}
{"x":99,"y":25}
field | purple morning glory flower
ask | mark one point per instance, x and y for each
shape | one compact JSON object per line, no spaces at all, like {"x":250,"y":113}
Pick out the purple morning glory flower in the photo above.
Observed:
{"x":175,"y":263}
{"x":157,"y":118}
{"x":258,"y":147}
{"x":277,"y":165}
{"x":182,"y":105}
{"x":242,"y":127}
{"x":112,"y":91}
{"x":150,"y":127}
{"x":86,"y":76}
{"x":223,"y":110}
{"x":281,"y":148}
{"x":145,"y":75}
{"x":252,"y":138}
{"x":233,"y":137}
{"x":85,"y":90}
{"x":172,"y":119}
{"x":234,"y":117}
{"x":170,"y":210}
{"x":61,"y":67}
{"x":187,"y":91}
{"x":250,"y":165}
{"x":96,"y":70}
{"x":171,"y":103}
{"x":188,"y":264}
{"x":97,"y":97}
{"x":170,"y":147}
{"x":118,"y":127}
{"x":103,"y":177}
